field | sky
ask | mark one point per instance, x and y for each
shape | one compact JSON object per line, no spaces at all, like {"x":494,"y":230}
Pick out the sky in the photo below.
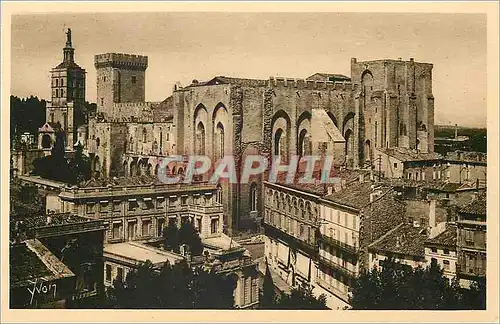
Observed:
{"x":183,"y":46}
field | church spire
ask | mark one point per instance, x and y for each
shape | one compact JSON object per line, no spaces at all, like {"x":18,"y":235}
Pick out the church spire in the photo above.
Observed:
{"x":69,"y":51}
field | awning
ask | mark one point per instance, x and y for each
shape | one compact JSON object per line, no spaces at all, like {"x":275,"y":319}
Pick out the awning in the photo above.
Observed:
{"x":103,"y":201}
{"x":147,"y":199}
{"x":132,"y":199}
{"x":160,"y":197}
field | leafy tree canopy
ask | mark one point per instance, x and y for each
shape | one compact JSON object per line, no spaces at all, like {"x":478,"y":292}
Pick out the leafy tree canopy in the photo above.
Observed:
{"x":398,"y":286}
{"x":174,"y":237}
{"x":172,"y":287}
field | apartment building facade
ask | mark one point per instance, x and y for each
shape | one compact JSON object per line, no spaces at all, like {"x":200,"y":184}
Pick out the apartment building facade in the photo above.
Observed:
{"x":140,"y":208}
{"x":471,"y":241}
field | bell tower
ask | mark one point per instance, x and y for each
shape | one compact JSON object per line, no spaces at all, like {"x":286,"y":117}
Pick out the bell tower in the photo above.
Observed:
{"x":65,"y":111}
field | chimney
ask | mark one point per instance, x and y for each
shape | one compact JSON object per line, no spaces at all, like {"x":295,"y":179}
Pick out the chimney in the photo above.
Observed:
{"x":432,"y":213}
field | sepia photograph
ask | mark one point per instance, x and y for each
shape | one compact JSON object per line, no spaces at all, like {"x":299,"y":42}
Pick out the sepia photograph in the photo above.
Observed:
{"x":250,"y":159}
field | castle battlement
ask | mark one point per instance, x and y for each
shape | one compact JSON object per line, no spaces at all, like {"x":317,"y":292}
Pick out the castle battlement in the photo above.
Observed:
{"x":142,"y":105}
{"x":303,"y":84}
{"x":120,"y":60}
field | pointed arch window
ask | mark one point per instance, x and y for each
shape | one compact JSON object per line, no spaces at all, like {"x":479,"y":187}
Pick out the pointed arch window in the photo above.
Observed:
{"x":219,"y":141}
{"x":253,"y":197}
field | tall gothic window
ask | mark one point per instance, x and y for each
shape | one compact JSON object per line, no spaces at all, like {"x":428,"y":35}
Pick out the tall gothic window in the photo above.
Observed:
{"x":200,"y":139}
{"x":253,"y":197}
{"x":278,"y":142}
{"x":161,"y":141}
{"x":219,"y":142}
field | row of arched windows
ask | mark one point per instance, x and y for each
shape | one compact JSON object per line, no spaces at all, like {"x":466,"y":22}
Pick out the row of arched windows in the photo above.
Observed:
{"x":219,"y":121}
{"x":296,"y":207}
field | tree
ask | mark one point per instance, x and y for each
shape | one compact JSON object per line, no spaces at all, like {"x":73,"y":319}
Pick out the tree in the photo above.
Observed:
{"x":398,"y":286}
{"x":189,"y":235}
{"x":172,"y":287}
{"x":171,"y":237}
{"x":268,"y":295}
{"x":57,"y":167}
{"x":26,"y":115}
{"x":302,"y":297}
{"x":79,"y":167}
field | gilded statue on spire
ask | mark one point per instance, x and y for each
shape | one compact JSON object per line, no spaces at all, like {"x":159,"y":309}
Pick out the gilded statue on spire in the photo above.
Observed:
{"x":68,"y":37}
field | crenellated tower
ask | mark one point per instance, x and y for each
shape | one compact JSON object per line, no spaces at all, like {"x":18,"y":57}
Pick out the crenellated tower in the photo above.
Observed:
{"x":120,"y":79}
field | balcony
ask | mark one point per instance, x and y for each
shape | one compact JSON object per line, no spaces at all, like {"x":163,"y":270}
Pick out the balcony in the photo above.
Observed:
{"x":137,"y":190}
{"x":472,"y":271}
{"x":335,"y":291}
{"x":344,"y":246}
{"x":206,"y":210}
{"x":292,"y":241}
{"x":331,"y":264}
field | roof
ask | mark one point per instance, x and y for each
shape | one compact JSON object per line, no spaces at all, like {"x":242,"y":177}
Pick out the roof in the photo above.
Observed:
{"x":49,"y":127}
{"x":356,"y":194}
{"x":347,"y":176}
{"x":221,"y":242}
{"x":55,"y":220}
{"x":476,"y":206}
{"x":24,"y":264}
{"x":433,"y":185}
{"x":323,"y":129}
{"x":328,"y":77}
{"x":68,"y":65}
{"x":404,"y":154}
{"x":447,"y":238}
{"x":230,"y":80}
{"x":31,"y":259}
{"x":382,"y":215}
{"x":404,"y":240}
{"x":164,"y":110}
{"x":139,"y":252}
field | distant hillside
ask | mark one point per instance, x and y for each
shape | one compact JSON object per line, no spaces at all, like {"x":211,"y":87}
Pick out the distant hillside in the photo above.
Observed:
{"x":477,"y":136}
